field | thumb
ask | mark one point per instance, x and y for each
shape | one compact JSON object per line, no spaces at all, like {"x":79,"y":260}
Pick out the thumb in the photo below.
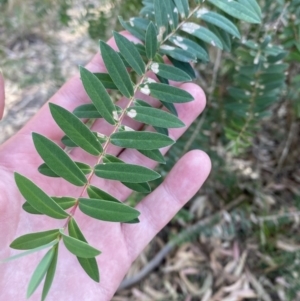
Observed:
{"x":2,"y":95}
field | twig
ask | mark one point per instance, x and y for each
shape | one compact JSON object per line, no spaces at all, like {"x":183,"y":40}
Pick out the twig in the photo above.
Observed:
{"x":170,"y":246}
{"x":293,"y":129}
{"x":278,"y":216}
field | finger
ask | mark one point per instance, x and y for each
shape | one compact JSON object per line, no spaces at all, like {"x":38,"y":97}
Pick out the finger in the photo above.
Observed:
{"x":158,"y":208}
{"x":187,"y":112}
{"x":2,"y":96}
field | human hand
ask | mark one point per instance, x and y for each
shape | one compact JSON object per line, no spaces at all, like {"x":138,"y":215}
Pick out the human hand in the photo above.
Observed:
{"x":120,"y":243}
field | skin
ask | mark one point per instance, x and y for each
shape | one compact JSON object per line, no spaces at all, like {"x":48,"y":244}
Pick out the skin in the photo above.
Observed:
{"x":2,"y":96}
{"x":120,"y":243}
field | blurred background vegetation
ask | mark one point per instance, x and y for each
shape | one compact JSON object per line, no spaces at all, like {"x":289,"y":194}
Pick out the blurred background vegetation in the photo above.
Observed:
{"x":238,"y":238}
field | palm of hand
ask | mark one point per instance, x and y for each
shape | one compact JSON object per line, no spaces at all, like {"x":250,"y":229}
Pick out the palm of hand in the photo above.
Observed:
{"x":120,"y":243}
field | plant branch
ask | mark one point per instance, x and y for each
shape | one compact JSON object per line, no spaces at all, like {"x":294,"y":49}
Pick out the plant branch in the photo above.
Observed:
{"x":120,"y":120}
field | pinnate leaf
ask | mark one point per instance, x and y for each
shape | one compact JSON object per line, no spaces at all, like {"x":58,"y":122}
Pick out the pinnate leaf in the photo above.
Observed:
{"x":79,"y":248}
{"x":237,"y":10}
{"x":98,"y":95}
{"x":154,"y":155}
{"x":46,"y":171}
{"x":170,"y":72}
{"x":87,"y":111}
{"x":169,"y":94}
{"x":89,"y":265}
{"x":181,"y":55}
{"x":151,"y":41}
{"x":202,"y":33}
{"x":106,"y":80}
{"x":130,"y":53}
{"x":155,"y":117}
{"x":34,"y":240}
{"x":77,"y":131}
{"x":116,"y":70}
{"x":183,"y":7}
{"x":108,"y":211}
{"x":50,"y":274}
{"x":38,"y":199}
{"x":63,"y":202}
{"x":138,"y":187}
{"x":126,"y":173}
{"x":97,"y":193}
{"x":141,"y":140}
{"x":219,"y":21}
{"x":58,"y":161}
{"x":40,"y":272}
{"x":51,"y":244}
{"x":191,"y":47}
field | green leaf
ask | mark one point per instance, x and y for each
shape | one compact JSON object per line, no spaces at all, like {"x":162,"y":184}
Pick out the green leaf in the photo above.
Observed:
{"x":141,"y":140}
{"x":40,"y":272}
{"x":138,"y":187}
{"x":224,"y":37}
{"x":51,"y":244}
{"x":89,"y":265}
{"x":161,"y":130}
{"x":154,"y":155}
{"x":126,"y":173}
{"x":87,"y":111}
{"x":68,"y":142}
{"x":161,"y":20}
{"x":46,"y":171}
{"x":34,"y":240}
{"x":133,"y":29}
{"x":97,"y":193}
{"x":183,"y":8}
{"x":50,"y":274}
{"x":191,"y":47}
{"x":155,"y":117}
{"x":178,"y":54}
{"x":107,"y":211}
{"x":111,"y":159}
{"x":134,"y":221}
{"x":77,"y":131}
{"x":38,"y":199}
{"x":172,"y":14}
{"x":58,"y":161}
{"x":98,"y":95}
{"x":170,"y":72}
{"x":130,"y":53}
{"x":116,"y":70}
{"x":169,"y":106}
{"x":106,"y":81}
{"x":202,"y":33}
{"x":169,"y":94}
{"x":219,"y":21}
{"x":151,"y":41}
{"x":253,"y":6}
{"x":186,"y":67}
{"x":79,"y":248}
{"x":29,"y":209}
{"x":237,"y":10}
{"x":63,"y":202}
